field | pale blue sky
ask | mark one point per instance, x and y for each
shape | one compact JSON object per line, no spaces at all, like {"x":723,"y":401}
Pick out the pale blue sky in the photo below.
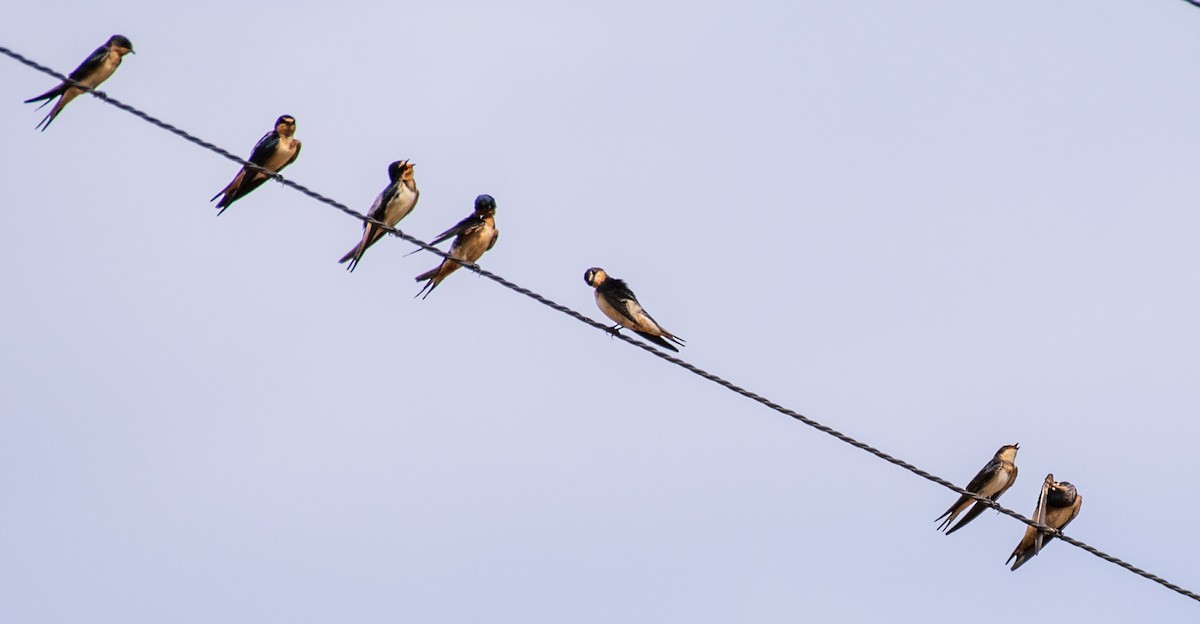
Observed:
{"x":939,"y":226}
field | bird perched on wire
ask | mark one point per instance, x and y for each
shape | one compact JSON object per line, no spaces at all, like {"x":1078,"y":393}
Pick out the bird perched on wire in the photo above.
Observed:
{"x":274,"y":151}
{"x":94,"y":70}
{"x":1057,"y":506}
{"x":392,"y":205}
{"x":995,"y":478}
{"x":472,"y":236}
{"x":618,"y":303}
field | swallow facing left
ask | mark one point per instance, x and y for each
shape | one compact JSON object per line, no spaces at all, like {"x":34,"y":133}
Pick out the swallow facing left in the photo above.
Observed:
{"x":618,"y":303}
{"x":274,"y":151}
{"x":472,"y":236}
{"x":91,"y":72}
{"x":392,"y":205}
{"x":1057,"y":506}
{"x":996,"y":477}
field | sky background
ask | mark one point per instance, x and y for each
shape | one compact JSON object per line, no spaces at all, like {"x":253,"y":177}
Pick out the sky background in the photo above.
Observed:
{"x":938,"y":226}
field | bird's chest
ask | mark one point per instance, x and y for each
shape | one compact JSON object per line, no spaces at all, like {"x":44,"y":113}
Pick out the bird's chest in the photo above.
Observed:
{"x":999,"y":480}
{"x":283,"y":153}
{"x":611,"y":311}
{"x":106,"y":69}
{"x":401,"y":204}
{"x":474,"y":242}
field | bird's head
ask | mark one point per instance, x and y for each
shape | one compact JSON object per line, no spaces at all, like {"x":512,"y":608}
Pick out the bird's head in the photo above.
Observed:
{"x":485,"y":204}
{"x":400,"y":170}
{"x":121,"y":44}
{"x":594,"y":276}
{"x":1062,"y":494}
{"x":286,"y":125}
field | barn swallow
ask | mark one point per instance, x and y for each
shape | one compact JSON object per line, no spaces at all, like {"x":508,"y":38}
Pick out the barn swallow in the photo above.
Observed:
{"x":1057,"y":506}
{"x":392,"y":205}
{"x":619,"y":303}
{"x":91,"y":72}
{"x":274,"y":151}
{"x":472,"y":236}
{"x":996,"y":477}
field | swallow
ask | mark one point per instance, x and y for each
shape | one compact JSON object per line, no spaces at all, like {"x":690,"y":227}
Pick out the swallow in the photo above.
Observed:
{"x":619,"y":303}
{"x":392,"y":205}
{"x":274,"y":151}
{"x":996,"y":477}
{"x":1057,"y":506}
{"x":472,"y":236}
{"x":90,"y":73}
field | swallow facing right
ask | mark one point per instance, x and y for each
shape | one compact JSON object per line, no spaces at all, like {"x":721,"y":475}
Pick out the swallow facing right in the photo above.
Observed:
{"x":472,"y":236}
{"x":618,"y":303}
{"x":996,"y":477}
{"x":91,"y":72}
{"x":1057,"y":506}
{"x":392,"y":205}
{"x":274,"y":151}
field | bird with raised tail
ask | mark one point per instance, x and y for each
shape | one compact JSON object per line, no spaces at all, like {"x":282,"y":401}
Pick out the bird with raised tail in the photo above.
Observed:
{"x":1057,"y":506}
{"x":618,"y":303}
{"x":94,"y":70}
{"x":392,"y":205}
{"x":995,"y":478}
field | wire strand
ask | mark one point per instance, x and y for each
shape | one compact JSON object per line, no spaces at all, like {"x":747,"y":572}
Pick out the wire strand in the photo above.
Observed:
{"x":729,"y":385}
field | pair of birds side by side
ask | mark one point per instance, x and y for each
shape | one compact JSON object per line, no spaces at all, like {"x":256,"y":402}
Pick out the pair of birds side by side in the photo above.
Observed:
{"x":1058,"y":503}
{"x":274,"y":151}
{"x":473,"y":235}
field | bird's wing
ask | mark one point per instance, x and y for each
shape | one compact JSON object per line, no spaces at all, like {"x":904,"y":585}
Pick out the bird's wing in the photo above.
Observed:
{"x":90,"y":64}
{"x":984,"y":476}
{"x":1039,"y":512}
{"x":265,"y":147}
{"x":459,"y":228}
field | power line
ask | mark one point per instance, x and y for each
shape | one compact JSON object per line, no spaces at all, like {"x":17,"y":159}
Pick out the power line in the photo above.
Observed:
{"x":588,"y":321}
